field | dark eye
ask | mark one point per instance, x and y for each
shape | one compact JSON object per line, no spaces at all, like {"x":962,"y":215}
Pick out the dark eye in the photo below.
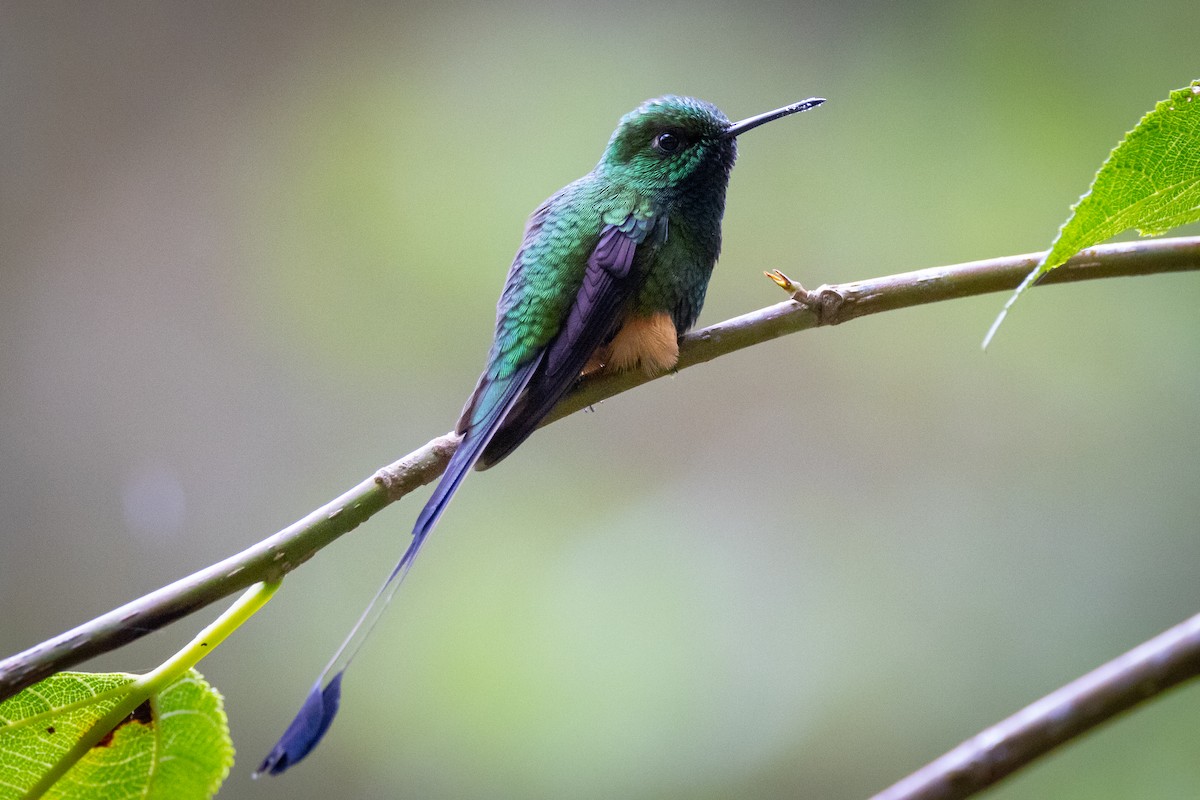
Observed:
{"x":668,"y":142}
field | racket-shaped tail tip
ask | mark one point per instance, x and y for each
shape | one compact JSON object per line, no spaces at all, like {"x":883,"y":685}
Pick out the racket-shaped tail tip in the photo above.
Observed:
{"x":306,"y":730}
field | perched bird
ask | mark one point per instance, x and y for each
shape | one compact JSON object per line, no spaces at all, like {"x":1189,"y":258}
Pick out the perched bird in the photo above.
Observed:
{"x":612,"y":269}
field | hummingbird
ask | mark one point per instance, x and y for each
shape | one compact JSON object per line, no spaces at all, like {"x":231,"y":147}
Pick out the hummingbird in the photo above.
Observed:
{"x":612,"y":269}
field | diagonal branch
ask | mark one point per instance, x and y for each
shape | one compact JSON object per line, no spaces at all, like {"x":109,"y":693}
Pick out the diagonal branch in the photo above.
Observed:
{"x":272,"y":558}
{"x":1145,"y":671}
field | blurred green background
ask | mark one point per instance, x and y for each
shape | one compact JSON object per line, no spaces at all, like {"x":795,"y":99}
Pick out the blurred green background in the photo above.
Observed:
{"x":249,"y":253}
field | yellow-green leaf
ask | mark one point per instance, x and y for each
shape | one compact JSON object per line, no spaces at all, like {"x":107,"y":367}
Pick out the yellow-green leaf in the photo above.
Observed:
{"x":1150,"y":182}
{"x":175,"y":745}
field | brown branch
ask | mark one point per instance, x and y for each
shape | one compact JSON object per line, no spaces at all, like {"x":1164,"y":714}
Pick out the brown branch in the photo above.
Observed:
{"x":827,"y":305}
{"x":1145,"y":671}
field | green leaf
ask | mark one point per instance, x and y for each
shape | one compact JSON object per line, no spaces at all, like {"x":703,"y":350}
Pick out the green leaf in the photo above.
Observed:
{"x":1151,"y":182}
{"x":175,"y":745}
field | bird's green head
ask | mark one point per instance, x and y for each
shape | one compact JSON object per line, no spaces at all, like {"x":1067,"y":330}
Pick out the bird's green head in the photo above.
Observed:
{"x":666,"y":141}
{"x":671,"y":141}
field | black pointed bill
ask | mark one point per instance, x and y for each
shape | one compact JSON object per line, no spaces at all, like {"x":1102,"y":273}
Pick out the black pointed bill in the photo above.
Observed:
{"x":750,"y":123}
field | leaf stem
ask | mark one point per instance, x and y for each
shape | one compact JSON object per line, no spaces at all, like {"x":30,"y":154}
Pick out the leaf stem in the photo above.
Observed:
{"x":152,"y":683}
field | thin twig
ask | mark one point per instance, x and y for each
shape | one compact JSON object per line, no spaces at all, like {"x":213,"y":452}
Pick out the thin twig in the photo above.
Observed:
{"x":277,"y":555}
{"x":1145,"y":671}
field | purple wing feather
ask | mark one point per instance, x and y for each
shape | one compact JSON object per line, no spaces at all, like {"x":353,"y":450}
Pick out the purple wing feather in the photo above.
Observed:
{"x":608,"y":283}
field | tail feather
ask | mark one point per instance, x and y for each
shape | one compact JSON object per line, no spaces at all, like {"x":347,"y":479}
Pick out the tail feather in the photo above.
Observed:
{"x":487,"y":413}
{"x":492,"y":403}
